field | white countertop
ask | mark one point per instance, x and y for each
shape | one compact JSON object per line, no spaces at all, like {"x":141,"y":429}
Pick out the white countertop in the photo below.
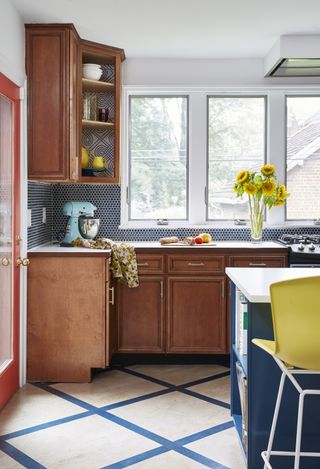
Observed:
{"x":254,"y":283}
{"x":55,"y":248}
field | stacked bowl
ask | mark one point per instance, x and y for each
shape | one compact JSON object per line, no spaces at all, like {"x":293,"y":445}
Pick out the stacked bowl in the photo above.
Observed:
{"x":91,"y":71}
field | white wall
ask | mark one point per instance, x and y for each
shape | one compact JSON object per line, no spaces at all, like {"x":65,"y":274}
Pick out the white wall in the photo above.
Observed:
{"x":203,"y":72}
{"x":11,"y":43}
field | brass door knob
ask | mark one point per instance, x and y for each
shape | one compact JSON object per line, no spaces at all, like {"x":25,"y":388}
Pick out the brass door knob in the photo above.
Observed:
{"x":5,"y":261}
{"x":25,"y":262}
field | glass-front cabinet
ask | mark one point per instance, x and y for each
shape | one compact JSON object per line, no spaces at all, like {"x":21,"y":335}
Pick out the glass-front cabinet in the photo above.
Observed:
{"x":100,"y":106}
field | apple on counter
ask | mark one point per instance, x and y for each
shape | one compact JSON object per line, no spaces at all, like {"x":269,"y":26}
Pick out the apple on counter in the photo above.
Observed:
{"x":204,"y":238}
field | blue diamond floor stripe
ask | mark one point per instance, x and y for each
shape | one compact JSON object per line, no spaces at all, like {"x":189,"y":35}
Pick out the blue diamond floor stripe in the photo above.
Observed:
{"x":182,"y":387}
{"x":200,"y":458}
{"x":19,"y":456}
{"x":223,"y":374}
{"x":137,"y":458}
{"x":211,"y":400}
{"x":134,"y":400}
{"x":138,"y":374}
{"x":166,"y":445}
{"x":182,"y":441}
{"x":186,"y":440}
{"x":43,"y":426}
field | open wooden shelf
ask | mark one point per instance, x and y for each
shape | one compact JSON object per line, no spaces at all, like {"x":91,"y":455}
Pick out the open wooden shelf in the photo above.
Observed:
{"x":96,"y":124}
{"x":96,"y":85}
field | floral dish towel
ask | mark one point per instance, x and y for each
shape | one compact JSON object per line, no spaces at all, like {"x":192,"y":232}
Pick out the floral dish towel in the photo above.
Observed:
{"x":123,"y":259}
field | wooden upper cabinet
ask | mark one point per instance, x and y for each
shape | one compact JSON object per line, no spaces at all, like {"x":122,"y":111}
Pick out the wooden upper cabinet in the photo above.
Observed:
{"x":47,"y":64}
{"x":56,"y":129}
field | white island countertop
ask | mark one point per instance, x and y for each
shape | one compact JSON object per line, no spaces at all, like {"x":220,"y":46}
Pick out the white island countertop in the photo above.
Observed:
{"x":55,"y":248}
{"x":255,"y":283}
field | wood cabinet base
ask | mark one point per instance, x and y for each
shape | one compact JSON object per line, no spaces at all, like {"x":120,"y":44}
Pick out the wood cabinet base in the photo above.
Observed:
{"x":67,"y":318}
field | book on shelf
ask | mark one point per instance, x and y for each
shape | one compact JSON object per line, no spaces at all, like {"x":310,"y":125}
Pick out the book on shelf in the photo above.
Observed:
{"x":241,"y":339}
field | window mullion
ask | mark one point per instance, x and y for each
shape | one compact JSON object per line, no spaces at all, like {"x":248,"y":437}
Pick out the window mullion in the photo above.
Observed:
{"x":197,"y":157}
{"x":276,"y":146}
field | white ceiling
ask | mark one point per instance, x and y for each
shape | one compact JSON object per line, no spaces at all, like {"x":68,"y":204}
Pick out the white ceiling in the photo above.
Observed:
{"x":181,"y":28}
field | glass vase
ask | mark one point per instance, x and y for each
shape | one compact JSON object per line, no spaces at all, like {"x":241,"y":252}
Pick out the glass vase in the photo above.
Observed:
{"x":256,"y":209}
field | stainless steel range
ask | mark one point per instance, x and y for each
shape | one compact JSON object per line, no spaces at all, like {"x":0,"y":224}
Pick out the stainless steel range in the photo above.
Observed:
{"x":304,"y":250}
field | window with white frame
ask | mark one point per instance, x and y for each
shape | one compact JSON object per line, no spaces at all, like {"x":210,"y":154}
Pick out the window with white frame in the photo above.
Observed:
{"x":184,"y":149}
{"x":236,"y":141}
{"x":158,"y":158}
{"x":303,"y":157}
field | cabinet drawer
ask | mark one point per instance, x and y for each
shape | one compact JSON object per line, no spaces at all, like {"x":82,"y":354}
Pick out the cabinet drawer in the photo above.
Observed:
{"x":195,"y":264}
{"x":148,"y":263}
{"x":270,"y":261}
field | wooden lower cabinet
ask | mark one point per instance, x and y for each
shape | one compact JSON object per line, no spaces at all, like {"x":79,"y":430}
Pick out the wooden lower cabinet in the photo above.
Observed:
{"x":141,"y":316}
{"x":258,"y":261}
{"x":196,"y":317}
{"x":77,"y":318}
{"x":68,"y":317}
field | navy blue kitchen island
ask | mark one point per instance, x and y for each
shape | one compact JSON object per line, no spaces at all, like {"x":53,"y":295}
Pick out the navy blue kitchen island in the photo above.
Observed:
{"x":262,"y":376}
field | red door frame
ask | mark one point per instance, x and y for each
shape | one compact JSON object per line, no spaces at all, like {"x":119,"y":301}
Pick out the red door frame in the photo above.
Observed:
{"x":9,"y":377}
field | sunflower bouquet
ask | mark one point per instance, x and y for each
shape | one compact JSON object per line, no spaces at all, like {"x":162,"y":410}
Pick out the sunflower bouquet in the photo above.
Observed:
{"x":263,"y":190}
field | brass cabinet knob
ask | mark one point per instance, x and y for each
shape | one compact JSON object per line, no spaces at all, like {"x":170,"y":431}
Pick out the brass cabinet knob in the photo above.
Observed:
{"x":25,"y":262}
{"x":5,"y":261}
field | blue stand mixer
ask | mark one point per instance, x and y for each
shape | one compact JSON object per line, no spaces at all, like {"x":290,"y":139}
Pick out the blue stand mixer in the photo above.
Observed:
{"x":75,"y":210}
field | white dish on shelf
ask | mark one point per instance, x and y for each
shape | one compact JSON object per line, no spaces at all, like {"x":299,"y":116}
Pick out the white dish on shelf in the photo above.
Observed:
{"x":97,"y":66}
{"x":92,"y":72}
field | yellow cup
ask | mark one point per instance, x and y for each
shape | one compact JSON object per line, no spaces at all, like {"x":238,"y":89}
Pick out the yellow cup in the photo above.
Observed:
{"x":84,"y":158}
{"x":99,"y":162}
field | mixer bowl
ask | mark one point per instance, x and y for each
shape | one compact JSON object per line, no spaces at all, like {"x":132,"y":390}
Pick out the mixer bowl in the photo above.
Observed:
{"x":89,"y":227}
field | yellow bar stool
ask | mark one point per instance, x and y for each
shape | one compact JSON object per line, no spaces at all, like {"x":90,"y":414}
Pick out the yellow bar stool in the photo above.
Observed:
{"x":295,"y":306}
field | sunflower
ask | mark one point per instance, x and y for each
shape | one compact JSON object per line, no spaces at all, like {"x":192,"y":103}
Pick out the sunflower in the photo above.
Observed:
{"x":268,"y":169}
{"x":250,"y":188}
{"x":242,"y":176}
{"x":282,"y":193}
{"x":278,"y":202}
{"x":268,"y":187}
{"x":235,"y":187}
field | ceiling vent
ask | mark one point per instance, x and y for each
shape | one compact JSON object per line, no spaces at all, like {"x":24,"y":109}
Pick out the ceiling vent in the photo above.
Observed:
{"x":294,"y":56}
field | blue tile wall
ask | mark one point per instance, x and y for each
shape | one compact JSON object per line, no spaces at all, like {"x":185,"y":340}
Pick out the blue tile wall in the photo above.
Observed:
{"x":39,"y":196}
{"x":107,"y":200}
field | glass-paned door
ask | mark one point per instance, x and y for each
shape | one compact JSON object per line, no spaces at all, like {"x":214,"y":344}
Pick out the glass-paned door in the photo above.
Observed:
{"x":9,"y":249}
{"x":6,"y":230}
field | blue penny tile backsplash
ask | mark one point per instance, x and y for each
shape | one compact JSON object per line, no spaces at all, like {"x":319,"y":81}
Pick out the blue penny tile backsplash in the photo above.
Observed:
{"x":39,"y":196}
{"x":106,"y":197}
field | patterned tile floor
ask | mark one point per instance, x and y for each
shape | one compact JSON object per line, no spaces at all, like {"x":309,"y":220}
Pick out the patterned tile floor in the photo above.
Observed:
{"x":142,"y":416}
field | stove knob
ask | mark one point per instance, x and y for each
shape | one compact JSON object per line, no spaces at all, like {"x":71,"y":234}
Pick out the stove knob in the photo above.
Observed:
{"x":301,"y":247}
{"x":312,"y":247}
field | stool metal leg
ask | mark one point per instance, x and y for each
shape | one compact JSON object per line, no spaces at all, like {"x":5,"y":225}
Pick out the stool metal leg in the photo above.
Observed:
{"x":274,"y":420}
{"x":299,"y":431}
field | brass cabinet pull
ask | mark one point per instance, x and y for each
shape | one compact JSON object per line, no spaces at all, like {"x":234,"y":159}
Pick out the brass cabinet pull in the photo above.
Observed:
{"x":112,"y":296}
{"x":161,"y":288}
{"x":24,"y":262}
{"x":5,"y":261}
{"x":196,"y":264}
{"x":257,"y":264}
{"x":223,"y":289}
{"x":143,"y":264}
